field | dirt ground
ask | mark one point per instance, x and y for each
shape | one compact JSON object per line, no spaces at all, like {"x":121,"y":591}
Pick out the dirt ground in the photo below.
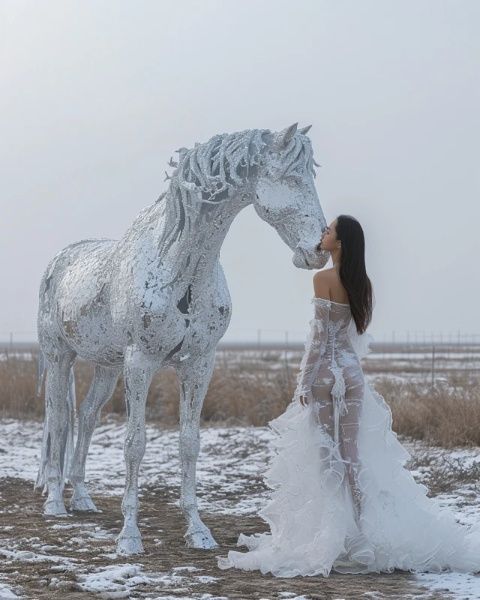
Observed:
{"x":162,"y":527}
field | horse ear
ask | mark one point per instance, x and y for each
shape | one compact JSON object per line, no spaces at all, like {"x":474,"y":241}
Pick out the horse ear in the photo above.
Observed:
{"x":284,"y":136}
{"x":304,"y":130}
{"x":181,"y":152}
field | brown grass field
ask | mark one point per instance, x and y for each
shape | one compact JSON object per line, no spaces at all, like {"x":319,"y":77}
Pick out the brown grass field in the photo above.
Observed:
{"x":41,"y":583}
{"x":254,"y":390}
{"x":246,"y":390}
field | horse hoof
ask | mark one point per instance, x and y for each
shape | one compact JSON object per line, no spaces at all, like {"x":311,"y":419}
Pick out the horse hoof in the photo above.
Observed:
{"x":201,"y":538}
{"x":129,"y":543}
{"x":83,"y":504}
{"x":55,"y":508}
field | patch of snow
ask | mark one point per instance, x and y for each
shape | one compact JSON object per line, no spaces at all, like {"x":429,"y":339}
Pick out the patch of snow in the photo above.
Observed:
{"x":463,"y":586}
{"x":31,"y":557}
{"x":119,"y":580}
{"x":292,"y":596}
{"x":191,"y":597}
{"x":188,"y":568}
{"x":65,"y":526}
{"x":109,"y":581}
{"x":206,"y":579}
{"x":48,"y":547}
{"x":6,"y":593}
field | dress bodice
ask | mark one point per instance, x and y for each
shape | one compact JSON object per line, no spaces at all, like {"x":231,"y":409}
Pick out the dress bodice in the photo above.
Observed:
{"x":331,"y":327}
{"x":330,"y":342}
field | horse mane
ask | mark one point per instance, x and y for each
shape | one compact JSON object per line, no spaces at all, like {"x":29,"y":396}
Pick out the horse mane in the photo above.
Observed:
{"x":220,"y":165}
{"x":211,"y":171}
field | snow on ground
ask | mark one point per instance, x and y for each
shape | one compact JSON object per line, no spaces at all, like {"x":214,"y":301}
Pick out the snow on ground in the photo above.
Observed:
{"x":119,"y":580}
{"x":6,"y":592}
{"x":224,"y":452}
{"x":465,"y":587}
{"x":230,"y":459}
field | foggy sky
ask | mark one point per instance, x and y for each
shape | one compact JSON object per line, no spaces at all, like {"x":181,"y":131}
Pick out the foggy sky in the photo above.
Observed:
{"x":96,"y":96}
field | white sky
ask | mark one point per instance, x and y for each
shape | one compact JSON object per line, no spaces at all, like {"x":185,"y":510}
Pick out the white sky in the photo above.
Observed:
{"x":96,"y":96}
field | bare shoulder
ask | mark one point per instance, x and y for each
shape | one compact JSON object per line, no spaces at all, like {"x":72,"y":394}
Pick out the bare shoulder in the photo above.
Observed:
{"x":322,"y":282}
{"x":327,"y":273}
{"x":327,"y":284}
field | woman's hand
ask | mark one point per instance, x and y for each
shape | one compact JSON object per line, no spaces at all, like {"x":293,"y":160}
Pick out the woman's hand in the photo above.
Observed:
{"x":303,"y":400}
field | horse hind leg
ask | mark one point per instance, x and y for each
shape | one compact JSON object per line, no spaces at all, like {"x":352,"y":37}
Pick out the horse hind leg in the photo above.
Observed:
{"x":101,"y":390}
{"x":58,"y":418}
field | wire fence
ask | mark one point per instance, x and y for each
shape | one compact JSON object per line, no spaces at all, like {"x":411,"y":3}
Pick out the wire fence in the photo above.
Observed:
{"x":285,"y":337}
{"x":264,"y":337}
{"x":409,"y":353}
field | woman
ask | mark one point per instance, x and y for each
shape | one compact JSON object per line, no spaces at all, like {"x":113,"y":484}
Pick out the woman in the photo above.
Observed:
{"x":342,"y":498}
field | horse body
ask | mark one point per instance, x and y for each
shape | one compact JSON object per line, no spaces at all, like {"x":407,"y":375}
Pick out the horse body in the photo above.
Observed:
{"x":158,"y":297}
{"x":75,"y":303}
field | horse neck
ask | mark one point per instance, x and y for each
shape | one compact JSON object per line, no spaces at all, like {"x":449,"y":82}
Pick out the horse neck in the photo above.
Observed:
{"x":186,"y":237}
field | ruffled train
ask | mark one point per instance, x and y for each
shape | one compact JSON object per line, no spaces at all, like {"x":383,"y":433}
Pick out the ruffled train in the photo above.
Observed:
{"x":313,"y":527}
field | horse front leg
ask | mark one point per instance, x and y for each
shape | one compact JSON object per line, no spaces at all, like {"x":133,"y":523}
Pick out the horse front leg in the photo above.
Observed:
{"x":138,"y":372}
{"x":195,"y":377}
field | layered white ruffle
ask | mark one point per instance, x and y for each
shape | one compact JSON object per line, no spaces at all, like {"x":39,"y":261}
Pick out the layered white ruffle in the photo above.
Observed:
{"x":311,"y":513}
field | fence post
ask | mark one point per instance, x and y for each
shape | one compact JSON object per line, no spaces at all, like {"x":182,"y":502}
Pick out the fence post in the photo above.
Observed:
{"x":433,"y":365}
{"x":287,"y":367}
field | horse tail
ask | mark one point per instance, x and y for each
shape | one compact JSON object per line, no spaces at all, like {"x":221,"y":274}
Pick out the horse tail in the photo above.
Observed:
{"x":70,"y":445}
{"x":41,"y":475}
{"x":40,"y":371}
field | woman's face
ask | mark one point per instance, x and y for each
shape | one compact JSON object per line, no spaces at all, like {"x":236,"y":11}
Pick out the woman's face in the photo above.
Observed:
{"x":329,"y":237}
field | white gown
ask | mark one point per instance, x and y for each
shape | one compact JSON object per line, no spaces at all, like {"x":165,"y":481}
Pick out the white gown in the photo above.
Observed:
{"x":342,"y":498}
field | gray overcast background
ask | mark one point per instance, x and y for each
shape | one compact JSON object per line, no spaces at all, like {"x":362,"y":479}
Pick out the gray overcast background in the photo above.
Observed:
{"x":96,"y":96}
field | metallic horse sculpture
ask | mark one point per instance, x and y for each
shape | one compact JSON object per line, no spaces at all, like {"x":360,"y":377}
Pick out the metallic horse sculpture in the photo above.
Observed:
{"x":158,"y":297}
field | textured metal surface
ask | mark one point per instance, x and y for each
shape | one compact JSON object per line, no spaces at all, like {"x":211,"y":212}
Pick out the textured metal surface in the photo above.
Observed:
{"x":158,"y":297}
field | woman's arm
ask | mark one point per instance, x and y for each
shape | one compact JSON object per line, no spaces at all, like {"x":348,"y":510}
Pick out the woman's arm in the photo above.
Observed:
{"x":314,"y":345}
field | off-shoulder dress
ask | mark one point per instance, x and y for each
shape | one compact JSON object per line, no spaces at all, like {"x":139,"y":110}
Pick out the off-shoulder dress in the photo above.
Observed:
{"x":341,"y":496}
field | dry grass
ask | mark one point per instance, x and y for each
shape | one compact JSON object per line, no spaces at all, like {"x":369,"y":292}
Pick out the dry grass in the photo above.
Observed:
{"x":447,"y":414}
{"x":235,"y":396}
{"x":444,"y":474}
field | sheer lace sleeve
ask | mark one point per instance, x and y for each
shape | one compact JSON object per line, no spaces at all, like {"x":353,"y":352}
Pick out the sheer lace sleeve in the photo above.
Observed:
{"x":315,"y":345}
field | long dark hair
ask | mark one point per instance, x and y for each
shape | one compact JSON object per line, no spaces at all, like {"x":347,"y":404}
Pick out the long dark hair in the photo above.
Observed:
{"x":353,"y":274}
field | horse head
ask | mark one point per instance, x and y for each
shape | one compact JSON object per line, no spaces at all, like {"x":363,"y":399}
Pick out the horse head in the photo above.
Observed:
{"x":286,"y":197}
